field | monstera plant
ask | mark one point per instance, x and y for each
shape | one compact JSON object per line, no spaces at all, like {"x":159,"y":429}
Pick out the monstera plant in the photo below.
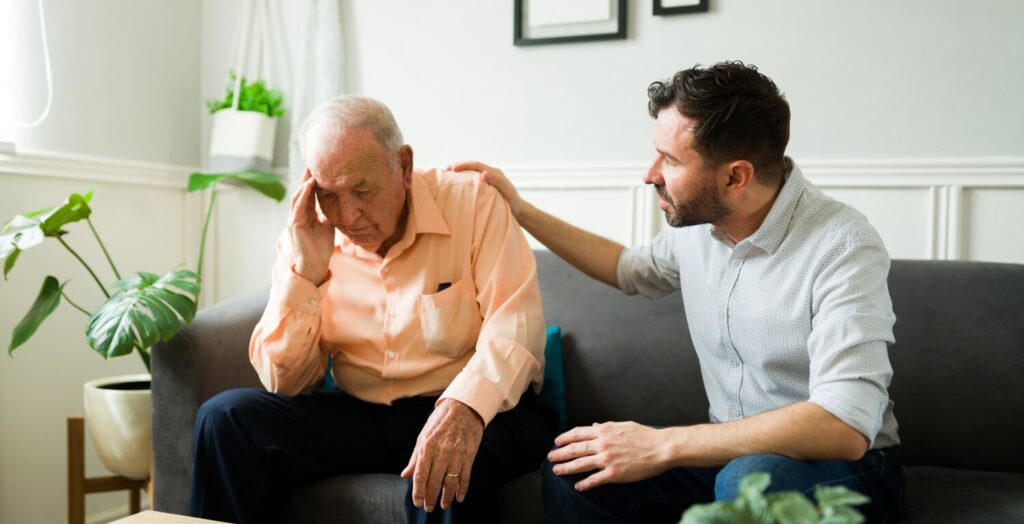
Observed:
{"x":139,"y":310}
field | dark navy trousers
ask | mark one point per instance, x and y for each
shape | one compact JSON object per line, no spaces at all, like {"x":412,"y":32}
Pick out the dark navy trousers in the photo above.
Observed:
{"x":251,"y":446}
{"x":665,"y":497}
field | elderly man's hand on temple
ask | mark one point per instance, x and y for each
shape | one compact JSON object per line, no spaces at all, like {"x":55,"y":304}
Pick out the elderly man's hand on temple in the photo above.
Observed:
{"x":443,"y":459}
{"x":312,"y":235}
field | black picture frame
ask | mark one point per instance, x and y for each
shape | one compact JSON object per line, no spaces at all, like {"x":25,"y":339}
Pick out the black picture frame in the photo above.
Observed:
{"x":521,"y":32}
{"x":700,"y":7}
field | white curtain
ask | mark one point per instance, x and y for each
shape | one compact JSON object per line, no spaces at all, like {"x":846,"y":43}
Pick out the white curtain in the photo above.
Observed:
{"x":319,"y":73}
{"x":6,"y":74}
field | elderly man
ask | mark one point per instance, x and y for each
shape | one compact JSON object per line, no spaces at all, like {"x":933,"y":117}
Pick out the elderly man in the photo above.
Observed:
{"x":422,"y":288}
{"x":786,"y":300}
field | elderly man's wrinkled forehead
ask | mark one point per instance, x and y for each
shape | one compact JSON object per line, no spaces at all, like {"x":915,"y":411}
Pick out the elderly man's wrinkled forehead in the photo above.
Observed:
{"x":344,"y":152}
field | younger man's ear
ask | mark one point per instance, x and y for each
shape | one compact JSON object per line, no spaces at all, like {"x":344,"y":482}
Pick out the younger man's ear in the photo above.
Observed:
{"x":741,"y":175}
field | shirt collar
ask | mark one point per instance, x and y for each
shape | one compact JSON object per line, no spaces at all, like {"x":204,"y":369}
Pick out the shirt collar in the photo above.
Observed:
{"x":424,"y":215}
{"x":775,"y":226}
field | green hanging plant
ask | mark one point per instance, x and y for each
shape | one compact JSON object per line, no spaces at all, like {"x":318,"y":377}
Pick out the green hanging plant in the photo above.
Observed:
{"x":255,"y":96}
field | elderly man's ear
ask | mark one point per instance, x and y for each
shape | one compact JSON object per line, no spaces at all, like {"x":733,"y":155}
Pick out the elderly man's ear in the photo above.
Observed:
{"x":405,"y":160}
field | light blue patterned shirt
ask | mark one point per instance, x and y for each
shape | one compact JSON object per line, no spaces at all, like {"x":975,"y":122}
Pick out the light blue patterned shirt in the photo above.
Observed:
{"x":798,"y":311}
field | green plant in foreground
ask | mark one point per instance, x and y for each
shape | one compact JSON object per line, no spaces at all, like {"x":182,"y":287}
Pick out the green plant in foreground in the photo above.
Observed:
{"x":255,"y":96}
{"x":753,"y":506}
{"x":142,"y":309}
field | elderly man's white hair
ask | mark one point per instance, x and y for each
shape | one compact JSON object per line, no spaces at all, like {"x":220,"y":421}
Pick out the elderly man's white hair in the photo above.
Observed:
{"x":333,"y":115}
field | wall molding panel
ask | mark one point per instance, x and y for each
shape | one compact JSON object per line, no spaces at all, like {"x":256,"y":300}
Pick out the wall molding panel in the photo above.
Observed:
{"x":82,"y":167}
{"x":947,"y":184}
{"x":134,"y":174}
{"x":947,"y":180}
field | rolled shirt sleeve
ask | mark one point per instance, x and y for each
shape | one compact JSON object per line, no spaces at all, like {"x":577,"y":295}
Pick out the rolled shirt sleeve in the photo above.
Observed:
{"x":851,"y":326}
{"x":510,"y":348}
{"x":285,"y":345}
{"x":651,"y":270}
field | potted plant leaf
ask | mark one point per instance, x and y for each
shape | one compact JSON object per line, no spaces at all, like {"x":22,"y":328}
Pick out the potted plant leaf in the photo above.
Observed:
{"x":137,"y":311}
{"x":753,"y":506}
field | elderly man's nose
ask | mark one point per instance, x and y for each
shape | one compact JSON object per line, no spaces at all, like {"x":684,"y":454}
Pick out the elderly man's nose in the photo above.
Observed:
{"x":349,"y":214}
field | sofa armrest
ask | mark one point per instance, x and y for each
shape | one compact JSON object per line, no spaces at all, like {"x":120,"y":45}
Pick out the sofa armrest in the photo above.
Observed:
{"x":209,"y":356}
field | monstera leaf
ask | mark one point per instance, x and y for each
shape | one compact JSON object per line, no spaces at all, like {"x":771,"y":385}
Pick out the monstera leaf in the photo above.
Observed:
{"x":76,"y":208}
{"x":46,"y":302}
{"x":28,"y":230}
{"x":145,"y":309}
{"x":267,"y":183}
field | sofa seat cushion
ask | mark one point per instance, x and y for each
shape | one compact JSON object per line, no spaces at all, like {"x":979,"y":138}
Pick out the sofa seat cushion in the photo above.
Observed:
{"x":954,"y":495}
{"x":379,"y":499}
{"x":370,"y":499}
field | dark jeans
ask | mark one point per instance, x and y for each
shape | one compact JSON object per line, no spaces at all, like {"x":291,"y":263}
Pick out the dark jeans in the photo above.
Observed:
{"x":665,"y":497}
{"x":251,"y":446}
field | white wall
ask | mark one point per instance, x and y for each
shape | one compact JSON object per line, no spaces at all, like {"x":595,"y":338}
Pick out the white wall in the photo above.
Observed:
{"x":866,"y":79}
{"x":124,"y":78}
{"x":125,"y":87}
{"x":916,"y":90}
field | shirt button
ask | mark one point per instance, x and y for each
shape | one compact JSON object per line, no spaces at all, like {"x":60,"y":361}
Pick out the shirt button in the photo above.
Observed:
{"x":735,"y":363}
{"x":391,"y":313}
{"x":734,"y":412}
{"x":736,"y":261}
{"x":391,"y":354}
{"x":311,"y":302}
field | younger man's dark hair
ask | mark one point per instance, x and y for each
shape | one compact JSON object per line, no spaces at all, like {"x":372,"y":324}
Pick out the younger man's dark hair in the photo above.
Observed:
{"x":739,"y":114}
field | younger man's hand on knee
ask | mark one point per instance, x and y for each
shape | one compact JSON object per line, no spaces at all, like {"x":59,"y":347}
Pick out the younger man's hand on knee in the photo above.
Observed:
{"x":615,"y":451}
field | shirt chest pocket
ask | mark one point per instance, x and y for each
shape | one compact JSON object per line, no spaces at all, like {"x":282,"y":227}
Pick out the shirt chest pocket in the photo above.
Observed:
{"x":450,"y":319}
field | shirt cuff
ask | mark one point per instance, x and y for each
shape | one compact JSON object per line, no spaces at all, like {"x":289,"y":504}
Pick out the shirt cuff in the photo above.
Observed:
{"x":300,"y":294}
{"x":858,"y":404}
{"x":476,"y":392}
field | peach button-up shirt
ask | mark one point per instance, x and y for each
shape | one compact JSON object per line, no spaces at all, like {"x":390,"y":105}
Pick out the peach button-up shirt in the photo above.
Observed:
{"x":453,"y":309}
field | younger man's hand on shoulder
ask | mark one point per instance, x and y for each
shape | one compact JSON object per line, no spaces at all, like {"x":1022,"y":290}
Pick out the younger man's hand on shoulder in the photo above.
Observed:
{"x":497,"y":179}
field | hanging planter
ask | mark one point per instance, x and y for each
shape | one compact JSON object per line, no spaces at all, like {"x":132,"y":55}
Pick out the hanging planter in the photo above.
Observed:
{"x":245,"y":119}
{"x":244,"y":127}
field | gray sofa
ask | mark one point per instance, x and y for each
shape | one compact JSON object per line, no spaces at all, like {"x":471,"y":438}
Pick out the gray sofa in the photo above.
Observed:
{"x":958,"y":388}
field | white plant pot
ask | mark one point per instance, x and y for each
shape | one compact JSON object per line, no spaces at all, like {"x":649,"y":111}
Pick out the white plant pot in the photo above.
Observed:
{"x":119,"y":415}
{"x":242,"y":140}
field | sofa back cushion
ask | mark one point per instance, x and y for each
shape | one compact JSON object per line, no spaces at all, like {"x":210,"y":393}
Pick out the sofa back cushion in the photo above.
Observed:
{"x":958,"y":359}
{"x":626,"y":357}
{"x":958,"y":363}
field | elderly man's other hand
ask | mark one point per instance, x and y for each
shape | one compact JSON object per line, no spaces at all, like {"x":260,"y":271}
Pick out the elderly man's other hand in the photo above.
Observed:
{"x":496,"y":178}
{"x":619,"y":451}
{"x":312,"y":235}
{"x":443,"y":458}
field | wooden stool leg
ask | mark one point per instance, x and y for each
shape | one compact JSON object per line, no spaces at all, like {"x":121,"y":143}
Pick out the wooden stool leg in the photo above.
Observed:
{"x":134,"y":501}
{"x":76,"y":470}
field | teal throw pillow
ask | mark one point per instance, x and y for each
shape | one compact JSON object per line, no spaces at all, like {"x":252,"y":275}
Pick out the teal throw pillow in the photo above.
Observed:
{"x":328,"y":382}
{"x":553,"y":392}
